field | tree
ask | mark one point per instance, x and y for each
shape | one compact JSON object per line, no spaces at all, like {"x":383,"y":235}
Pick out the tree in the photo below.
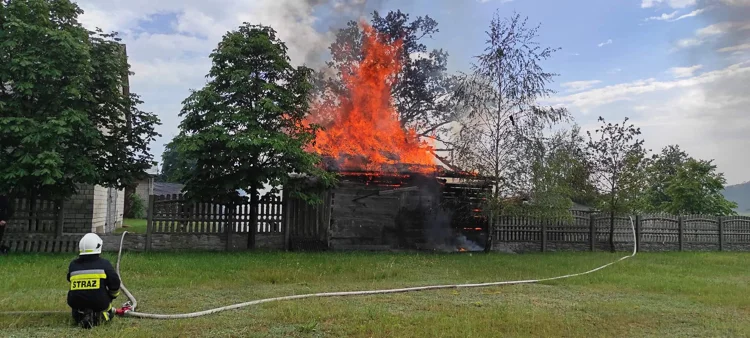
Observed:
{"x":175,"y":167}
{"x":66,"y":117}
{"x":499,"y":99}
{"x":245,"y":127}
{"x":680,"y":184}
{"x":551,"y":172}
{"x":661,"y":169}
{"x":421,"y":89}
{"x":696,"y":189}
{"x":618,"y":160}
{"x":500,"y":96}
{"x":579,"y":175}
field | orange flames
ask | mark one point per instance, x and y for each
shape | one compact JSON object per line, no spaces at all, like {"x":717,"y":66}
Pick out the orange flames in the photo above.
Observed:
{"x":361,"y":130}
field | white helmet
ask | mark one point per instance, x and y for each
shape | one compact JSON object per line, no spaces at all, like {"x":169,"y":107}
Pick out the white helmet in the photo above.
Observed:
{"x":90,"y":244}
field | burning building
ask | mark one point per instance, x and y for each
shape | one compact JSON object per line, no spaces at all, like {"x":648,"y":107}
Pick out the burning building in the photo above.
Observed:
{"x":391,"y":192}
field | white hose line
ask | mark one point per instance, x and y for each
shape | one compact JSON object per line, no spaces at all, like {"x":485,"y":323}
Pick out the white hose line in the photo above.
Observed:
{"x":132,"y":302}
{"x":352,"y":293}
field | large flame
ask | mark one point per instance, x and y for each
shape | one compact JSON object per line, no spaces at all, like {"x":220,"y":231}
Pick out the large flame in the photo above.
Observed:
{"x":361,"y":129}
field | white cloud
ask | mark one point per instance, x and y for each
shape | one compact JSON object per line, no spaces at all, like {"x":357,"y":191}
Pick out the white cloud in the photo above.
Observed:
{"x":682,"y":72}
{"x":711,"y":32}
{"x":671,"y":16}
{"x":626,"y":91}
{"x":687,"y":43}
{"x":614,"y":70}
{"x":737,"y":3}
{"x":736,"y":48}
{"x":722,"y":28}
{"x":670,"y":3}
{"x":663,"y":17}
{"x":691,"y":14}
{"x":608,"y":42}
{"x":700,"y":113}
{"x":577,"y":86}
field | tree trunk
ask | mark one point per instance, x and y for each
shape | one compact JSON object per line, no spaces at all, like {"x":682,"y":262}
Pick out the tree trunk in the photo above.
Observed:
{"x":612,"y":231}
{"x":495,"y":194}
{"x":491,"y":222}
{"x":254,"y":200}
{"x":128,"y":203}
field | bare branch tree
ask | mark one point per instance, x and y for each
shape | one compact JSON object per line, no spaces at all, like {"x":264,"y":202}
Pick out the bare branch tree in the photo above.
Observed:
{"x":499,"y":99}
{"x":618,"y":159}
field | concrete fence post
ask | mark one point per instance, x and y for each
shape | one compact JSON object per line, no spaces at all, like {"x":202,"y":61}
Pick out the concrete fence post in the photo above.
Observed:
{"x":544,"y":235}
{"x":150,"y":222}
{"x":638,"y":231}
{"x":592,"y":232}
{"x":230,"y":223}
{"x":285,"y":211}
{"x":680,"y":232}
{"x":721,"y":233}
{"x":60,"y":222}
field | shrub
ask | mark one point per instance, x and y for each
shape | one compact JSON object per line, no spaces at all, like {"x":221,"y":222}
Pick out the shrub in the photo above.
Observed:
{"x":137,"y":207}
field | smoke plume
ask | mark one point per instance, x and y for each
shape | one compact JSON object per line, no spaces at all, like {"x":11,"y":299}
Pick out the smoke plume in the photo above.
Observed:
{"x":330,"y":16}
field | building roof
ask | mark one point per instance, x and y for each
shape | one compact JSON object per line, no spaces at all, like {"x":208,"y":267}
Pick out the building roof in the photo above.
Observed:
{"x":153,"y":171}
{"x":581,"y":207}
{"x":163,"y":188}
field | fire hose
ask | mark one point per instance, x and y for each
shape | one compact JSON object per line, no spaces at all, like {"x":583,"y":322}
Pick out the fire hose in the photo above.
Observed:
{"x":128,"y":309}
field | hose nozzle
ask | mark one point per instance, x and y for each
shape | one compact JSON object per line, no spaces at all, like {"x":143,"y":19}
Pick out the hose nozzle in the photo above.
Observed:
{"x":121,"y":311}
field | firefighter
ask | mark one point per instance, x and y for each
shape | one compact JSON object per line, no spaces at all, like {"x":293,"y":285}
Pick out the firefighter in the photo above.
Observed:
{"x":6,"y":212}
{"x":94,"y":284}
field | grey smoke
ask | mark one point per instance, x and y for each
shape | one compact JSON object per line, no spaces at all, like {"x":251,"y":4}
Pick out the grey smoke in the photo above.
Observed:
{"x":338,"y":13}
{"x":441,"y":236}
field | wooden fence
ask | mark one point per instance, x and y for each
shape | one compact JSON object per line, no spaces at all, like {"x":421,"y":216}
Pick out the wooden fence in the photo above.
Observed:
{"x":173,"y":214}
{"x":683,"y":231}
{"x":37,"y":226}
{"x":35,"y":216}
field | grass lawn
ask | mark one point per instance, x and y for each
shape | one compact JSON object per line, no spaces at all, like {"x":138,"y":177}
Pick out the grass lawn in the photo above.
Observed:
{"x":650,"y":295}
{"x":136,"y":226}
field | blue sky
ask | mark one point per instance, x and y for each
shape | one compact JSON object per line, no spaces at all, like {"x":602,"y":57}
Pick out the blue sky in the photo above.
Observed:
{"x":682,"y":80}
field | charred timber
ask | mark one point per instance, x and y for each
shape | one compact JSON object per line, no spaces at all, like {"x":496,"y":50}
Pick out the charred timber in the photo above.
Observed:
{"x":407,"y":174}
{"x":387,"y":192}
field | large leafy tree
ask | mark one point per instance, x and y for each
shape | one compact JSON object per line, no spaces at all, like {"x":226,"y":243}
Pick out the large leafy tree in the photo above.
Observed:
{"x":245,"y":127}
{"x":619,"y":162}
{"x":697,"y":189}
{"x":420,"y":89}
{"x":661,"y":169}
{"x":66,"y":116}
{"x":680,"y":184}
{"x":175,"y":166}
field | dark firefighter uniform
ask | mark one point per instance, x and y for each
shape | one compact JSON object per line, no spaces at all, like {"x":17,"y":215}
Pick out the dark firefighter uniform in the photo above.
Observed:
{"x":94,"y":284}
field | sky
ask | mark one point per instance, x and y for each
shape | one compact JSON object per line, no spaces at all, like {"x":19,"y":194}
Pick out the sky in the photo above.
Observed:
{"x":678,"y":69}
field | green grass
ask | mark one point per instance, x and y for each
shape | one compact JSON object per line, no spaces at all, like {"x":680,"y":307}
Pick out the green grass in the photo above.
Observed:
{"x":137,"y":226}
{"x":650,"y":295}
